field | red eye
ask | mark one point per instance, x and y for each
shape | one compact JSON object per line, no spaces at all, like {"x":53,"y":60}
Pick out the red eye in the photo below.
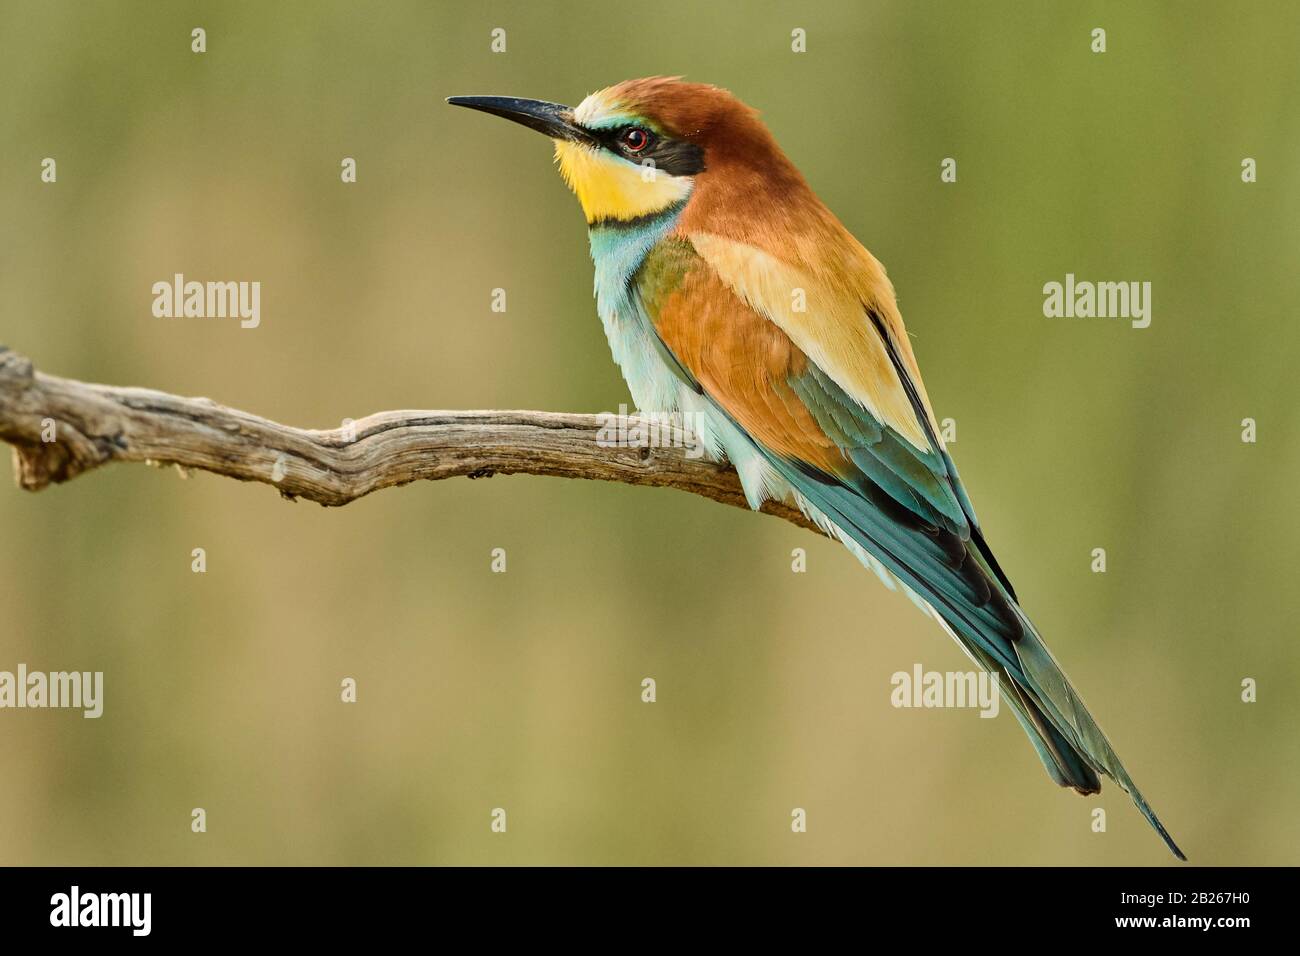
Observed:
{"x":634,"y":139}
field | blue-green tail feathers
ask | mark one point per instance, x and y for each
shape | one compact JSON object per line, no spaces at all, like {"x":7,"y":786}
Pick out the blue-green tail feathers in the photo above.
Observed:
{"x":968,"y":596}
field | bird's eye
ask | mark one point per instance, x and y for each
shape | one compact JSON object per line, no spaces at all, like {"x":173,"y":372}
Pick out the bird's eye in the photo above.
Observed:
{"x":635,"y":139}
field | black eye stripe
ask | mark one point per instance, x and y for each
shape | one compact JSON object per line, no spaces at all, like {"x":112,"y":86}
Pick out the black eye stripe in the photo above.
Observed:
{"x":674,"y":156}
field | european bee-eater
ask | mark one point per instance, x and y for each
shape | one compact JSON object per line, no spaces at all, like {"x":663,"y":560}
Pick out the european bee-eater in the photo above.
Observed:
{"x":731,"y":294}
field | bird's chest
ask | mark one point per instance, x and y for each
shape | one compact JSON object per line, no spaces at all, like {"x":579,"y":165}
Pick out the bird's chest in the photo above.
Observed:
{"x":618,"y":251}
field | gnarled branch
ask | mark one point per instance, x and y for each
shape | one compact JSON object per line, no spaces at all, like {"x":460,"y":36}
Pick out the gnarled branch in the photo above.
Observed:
{"x":92,"y":425}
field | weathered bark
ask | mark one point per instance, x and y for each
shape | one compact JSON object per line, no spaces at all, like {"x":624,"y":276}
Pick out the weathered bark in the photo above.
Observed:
{"x":93,"y":425}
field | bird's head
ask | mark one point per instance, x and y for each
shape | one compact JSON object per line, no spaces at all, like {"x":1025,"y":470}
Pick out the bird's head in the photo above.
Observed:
{"x":641,"y":147}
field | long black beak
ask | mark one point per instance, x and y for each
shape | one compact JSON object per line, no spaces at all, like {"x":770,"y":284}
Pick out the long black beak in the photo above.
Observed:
{"x":552,"y":119}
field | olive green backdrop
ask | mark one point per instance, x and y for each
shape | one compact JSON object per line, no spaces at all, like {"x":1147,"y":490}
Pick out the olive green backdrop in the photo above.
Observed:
{"x":522,"y":690}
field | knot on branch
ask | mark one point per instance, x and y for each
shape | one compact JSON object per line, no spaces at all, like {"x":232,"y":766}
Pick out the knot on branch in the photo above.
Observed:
{"x":13,"y":366}
{"x":48,"y":447}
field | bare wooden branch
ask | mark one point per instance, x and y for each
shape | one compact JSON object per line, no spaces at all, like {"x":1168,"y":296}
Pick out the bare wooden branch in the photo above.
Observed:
{"x":91,"y":425}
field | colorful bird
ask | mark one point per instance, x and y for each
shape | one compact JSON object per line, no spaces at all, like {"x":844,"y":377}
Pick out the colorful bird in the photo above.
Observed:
{"x":732,"y":295}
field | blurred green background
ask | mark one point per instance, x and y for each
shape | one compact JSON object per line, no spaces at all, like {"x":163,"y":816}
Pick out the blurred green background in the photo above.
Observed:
{"x":522,"y":690}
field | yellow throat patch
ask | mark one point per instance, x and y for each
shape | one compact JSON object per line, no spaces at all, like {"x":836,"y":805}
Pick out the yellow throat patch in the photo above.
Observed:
{"x":611,"y":188}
